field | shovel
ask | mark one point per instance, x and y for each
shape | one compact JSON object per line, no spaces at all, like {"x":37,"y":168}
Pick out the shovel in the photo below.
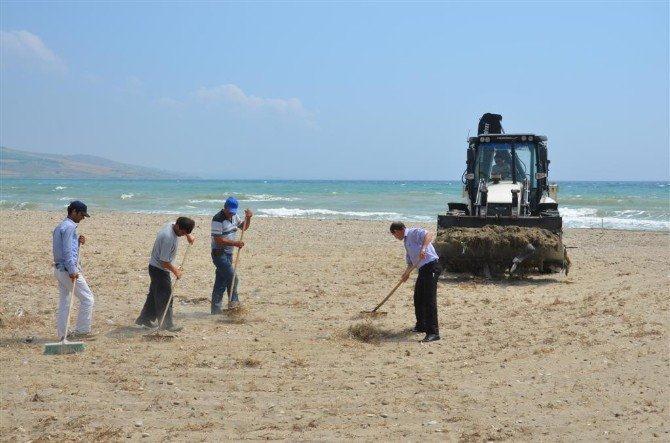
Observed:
{"x":374,"y":312}
{"x":156,"y":334}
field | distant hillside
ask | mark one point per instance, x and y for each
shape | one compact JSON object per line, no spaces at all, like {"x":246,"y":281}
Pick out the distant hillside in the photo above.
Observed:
{"x":23,"y":164}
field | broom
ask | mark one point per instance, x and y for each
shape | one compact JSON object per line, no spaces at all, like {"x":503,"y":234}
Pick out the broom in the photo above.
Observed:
{"x":64,"y":346}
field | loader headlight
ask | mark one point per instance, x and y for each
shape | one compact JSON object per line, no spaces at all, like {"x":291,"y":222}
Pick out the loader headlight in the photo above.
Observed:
{"x":530,"y":138}
{"x":470,"y":176}
{"x":540,"y":175}
{"x":523,"y":138}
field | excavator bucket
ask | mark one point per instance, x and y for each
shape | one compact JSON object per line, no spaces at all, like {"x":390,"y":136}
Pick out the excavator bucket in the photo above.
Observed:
{"x":497,"y":248}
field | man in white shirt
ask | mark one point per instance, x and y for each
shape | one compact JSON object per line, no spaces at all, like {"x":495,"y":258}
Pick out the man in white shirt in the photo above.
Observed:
{"x":421,"y":254}
{"x":160,"y":266}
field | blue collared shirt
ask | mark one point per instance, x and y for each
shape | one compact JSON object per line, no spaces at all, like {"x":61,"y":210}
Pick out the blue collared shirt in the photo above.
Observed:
{"x":66,"y":246}
{"x":413,"y":241}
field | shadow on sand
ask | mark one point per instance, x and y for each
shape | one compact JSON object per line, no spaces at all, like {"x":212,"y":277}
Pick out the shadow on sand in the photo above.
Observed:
{"x":367,"y":332}
{"x":516,"y":280}
{"x":26,"y":341}
{"x":127,"y":332}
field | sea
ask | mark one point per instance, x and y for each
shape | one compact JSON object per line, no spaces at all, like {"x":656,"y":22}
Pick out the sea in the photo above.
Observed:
{"x":583,"y":204}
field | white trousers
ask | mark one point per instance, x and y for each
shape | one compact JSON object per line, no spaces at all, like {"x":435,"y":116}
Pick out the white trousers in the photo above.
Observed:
{"x":85,"y":296}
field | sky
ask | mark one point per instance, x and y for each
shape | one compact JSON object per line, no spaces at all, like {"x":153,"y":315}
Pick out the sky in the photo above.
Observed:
{"x":378,"y":90}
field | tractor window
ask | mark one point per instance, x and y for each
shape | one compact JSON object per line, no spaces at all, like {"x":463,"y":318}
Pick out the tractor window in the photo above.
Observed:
{"x":525,"y":162}
{"x":500,"y":160}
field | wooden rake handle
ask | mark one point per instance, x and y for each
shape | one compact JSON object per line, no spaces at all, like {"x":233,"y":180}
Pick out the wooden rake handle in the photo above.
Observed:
{"x":69,"y":310}
{"x":390,"y":293}
{"x":237,"y":261}
{"x":174,"y":283}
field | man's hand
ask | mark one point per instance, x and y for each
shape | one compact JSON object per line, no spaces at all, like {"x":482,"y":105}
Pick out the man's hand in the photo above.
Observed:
{"x":74,"y":276}
{"x":82,"y":239}
{"x":239,"y":244}
{"x":178,"y":272}
{"x":190,"y":238}
{"x":248,"y":214}
{"x":422,"y":254}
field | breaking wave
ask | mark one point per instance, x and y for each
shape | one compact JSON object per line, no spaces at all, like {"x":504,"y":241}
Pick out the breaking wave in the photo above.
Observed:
{"x":622,"y":219}
{"x":327,"y":213}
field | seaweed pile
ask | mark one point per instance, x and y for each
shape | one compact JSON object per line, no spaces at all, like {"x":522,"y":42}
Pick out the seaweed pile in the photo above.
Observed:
{"x":469,"y":249}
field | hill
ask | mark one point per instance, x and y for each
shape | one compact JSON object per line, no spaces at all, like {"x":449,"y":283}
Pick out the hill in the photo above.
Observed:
{"x":15,"y":163}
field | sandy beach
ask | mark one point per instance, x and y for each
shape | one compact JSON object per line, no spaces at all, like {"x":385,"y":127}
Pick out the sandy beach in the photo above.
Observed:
{"x":555,"y":357}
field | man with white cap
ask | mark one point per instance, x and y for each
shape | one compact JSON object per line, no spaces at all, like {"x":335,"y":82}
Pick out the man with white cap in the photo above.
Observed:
{"x":224,"y":239}
{"x":66,"y":244}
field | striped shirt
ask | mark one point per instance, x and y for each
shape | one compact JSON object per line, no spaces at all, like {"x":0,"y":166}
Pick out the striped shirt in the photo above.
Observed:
{"x":222,"y":227}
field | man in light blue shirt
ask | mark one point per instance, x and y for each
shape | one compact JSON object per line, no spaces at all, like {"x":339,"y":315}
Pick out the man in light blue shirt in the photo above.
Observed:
{"x":66,"y":244}
{"x":420,"y":253}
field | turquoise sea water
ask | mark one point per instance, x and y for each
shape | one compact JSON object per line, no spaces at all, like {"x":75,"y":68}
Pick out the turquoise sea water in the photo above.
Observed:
{"x":615,"y":205}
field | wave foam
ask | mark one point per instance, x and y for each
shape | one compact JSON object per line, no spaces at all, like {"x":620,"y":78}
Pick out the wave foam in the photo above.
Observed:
{"x":247,"y":198}
{"x":577,"y":212}
{"x":267,"y":198}
{"x":127,"y":196}
{"x":624,"y":219}
{"x":329,"y":213}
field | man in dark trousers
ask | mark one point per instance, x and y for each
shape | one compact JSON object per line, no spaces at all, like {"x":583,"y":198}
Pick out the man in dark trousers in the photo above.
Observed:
{"x":160,"y":266}
{"x":421,"y":254}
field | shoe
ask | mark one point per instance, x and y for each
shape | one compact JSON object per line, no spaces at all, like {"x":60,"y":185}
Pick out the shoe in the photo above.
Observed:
{"x":216,"y":311}
{"x":82,"y":335}
{"x":430,"y":337}
{"x":233,"y":304}
{"x":418,"y":329}
{"x":173,"y":328}
{"x":144,"y":322}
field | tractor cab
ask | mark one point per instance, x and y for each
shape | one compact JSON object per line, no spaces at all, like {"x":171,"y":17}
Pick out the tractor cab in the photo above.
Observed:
{"x":508,"y":168}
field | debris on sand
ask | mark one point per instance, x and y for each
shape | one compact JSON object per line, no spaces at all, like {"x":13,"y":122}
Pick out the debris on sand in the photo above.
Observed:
{"x":250,"y":362}
{"x":371,"y":314}
{"x":366,"y":332}
{"x":158,"y":337}
{"x":237,"y":315}
{"x":193,"y":301}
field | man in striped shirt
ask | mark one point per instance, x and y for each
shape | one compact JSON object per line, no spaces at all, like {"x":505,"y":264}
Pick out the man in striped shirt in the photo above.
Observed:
{"x":224,"y":239}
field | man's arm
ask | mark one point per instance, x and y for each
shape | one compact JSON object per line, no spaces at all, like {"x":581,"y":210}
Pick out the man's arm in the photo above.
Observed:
{"x":247,"y":220}
{"x":428,"y":237}
{"x":170,"y":267}
{"x":70,"y":251}
{"x":223,"y":241}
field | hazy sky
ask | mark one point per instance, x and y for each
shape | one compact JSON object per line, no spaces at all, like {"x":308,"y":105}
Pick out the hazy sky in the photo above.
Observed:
{"x":373,"y":91}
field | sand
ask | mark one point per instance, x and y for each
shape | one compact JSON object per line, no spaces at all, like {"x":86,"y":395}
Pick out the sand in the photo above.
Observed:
{"x":583,"y":357}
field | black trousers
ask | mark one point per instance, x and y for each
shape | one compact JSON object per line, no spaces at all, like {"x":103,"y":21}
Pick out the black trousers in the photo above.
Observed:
{"x":160,"y":289}
{"x":425,"y":297}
